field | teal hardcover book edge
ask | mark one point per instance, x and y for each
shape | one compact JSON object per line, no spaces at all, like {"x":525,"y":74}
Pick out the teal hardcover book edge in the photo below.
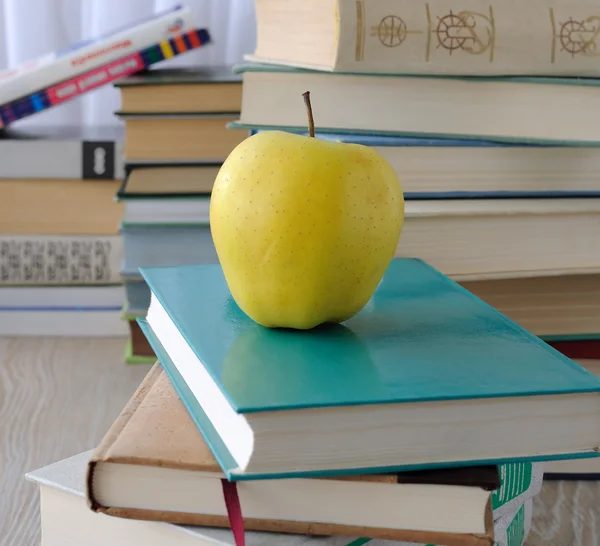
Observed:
{"x":406,"y":134}
{"x":421,"y":337}
{"x":548,"y":80}
{"x":228,"y":464}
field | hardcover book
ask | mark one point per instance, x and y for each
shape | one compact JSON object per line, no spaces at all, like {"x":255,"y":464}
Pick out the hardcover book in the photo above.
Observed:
{"x":446,"y":168}
{"x":60,"y":259}
{"x":425,"y":360}
{"x":509,"y":109}
{"x":45,"y":98}
{"x":65,"y":519}
{"x":199,"y":89}
{"x":496,"y":37}
{"x":92,"y":153}
{"x":85,"y":56}
{"x":154,"y":442}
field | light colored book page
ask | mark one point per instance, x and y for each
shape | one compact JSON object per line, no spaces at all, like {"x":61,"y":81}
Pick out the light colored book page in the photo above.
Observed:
{"x":518,"y":483}
{"x":509,"y":530}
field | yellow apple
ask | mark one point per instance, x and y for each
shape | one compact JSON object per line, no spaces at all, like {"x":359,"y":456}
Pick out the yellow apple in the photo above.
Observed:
{"x":304,"y":228}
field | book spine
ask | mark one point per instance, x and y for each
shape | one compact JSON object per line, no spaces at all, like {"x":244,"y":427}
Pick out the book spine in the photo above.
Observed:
{"x":59,"y":67}
{"x":61,"y":158}
{"x":97,"y":77}
{"x":49,"y":260}
{"x":469,"y":37}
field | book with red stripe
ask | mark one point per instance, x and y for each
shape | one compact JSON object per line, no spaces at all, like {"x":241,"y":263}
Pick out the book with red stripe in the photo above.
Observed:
{"x":102,"y":75}
{"x":58,"y":66}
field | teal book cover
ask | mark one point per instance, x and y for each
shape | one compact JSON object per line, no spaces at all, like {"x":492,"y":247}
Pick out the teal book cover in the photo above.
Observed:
{"x":421,"y":337}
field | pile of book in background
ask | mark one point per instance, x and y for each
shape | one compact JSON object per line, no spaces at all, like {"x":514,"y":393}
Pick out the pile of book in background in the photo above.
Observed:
{"x":60,"y":247}
{"x":499,"y":165}
{"x":176,"y":139}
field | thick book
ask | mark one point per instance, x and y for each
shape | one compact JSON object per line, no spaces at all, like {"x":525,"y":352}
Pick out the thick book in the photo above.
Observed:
{"x":154,"y":442}
{"x":59,"y":207}
{"x":200,"y":89}
{"x":92,"y":153}
{"x":510,"y":109}
{"x":137,"y":295}
{"x":424,"y":363}
{"x":76,"y":322}
{"x":66,"y":520}
{"x":42,"y":99}
{"x":573,"y":470}
{"x":60,"y":298}
{"x":404,"y":36}
{"x":152,"y":245}
{"x":59,"y":66}
{"x":437,"y":168}
{"x":179,"y":138}
{"x":562,"y":309}
{"x":576,"y":469}
{"x":155,"y":195}
{"x":169,"y":180}
{"x":442,"y":232}
{"x":60,"y":259}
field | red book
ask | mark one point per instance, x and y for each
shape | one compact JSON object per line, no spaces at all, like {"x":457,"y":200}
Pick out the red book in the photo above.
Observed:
{"x":582,"y":348}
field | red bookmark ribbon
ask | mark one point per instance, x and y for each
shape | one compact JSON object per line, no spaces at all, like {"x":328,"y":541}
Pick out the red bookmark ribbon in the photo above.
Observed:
{"x":234,"y":512}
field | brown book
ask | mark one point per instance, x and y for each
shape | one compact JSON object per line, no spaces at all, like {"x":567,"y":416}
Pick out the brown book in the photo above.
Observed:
{"x":139,"y":343}
{"x":178,"y":180}
{"x":177,"y":90}
{"x":153,"y":464}
{"x":556,"y":305}
{"x":59,"y":207}
{"x":184,"y":138}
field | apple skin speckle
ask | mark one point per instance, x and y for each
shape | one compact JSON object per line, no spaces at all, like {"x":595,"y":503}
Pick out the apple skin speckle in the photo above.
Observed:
{"x":312,"y":245}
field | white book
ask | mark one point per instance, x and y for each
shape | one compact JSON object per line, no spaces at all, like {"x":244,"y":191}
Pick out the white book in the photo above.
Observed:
{"x":60,"y":259}
{"x":55,"y":67}
{"x":66,"y":520}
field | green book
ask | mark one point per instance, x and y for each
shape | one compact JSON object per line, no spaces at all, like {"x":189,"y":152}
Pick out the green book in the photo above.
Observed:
{"x":519,"y":482}
{"x":426,"y":375}
{"x":552,"y":111}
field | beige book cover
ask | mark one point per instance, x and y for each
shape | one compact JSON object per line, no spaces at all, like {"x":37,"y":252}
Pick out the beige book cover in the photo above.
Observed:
{"x":154,"y":429}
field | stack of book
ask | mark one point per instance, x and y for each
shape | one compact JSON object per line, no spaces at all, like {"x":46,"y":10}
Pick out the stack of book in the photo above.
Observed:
{"x":487,"y":124}
{"x":60,"y":247}
{"x":176,"y":139}
{"x":499,"y":164}
{"x":421,"y":420}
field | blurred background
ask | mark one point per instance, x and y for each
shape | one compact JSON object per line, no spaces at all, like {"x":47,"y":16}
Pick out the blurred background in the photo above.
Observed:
{"x":31,"y":28}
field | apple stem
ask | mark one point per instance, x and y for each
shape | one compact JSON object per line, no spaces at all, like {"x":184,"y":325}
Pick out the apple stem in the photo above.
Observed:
{"x":311,"y":121}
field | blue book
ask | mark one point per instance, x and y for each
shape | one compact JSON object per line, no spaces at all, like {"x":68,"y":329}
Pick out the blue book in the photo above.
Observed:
{"x":453,"y":168}
{"x":426,"y":375}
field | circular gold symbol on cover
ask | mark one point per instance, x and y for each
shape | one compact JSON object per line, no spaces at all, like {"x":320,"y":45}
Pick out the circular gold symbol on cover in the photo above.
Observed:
{"x":392,"y":31}
{"x":449,"y":32}
{"x":576,"y":38}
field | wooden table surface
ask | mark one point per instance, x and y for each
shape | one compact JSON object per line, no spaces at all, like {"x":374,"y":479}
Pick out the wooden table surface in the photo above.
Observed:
{"x":59,"y":396}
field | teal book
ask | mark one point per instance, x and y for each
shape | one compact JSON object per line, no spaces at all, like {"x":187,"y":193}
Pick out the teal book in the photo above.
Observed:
{"x":557,"y":111}
{"x":426,"y":375}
